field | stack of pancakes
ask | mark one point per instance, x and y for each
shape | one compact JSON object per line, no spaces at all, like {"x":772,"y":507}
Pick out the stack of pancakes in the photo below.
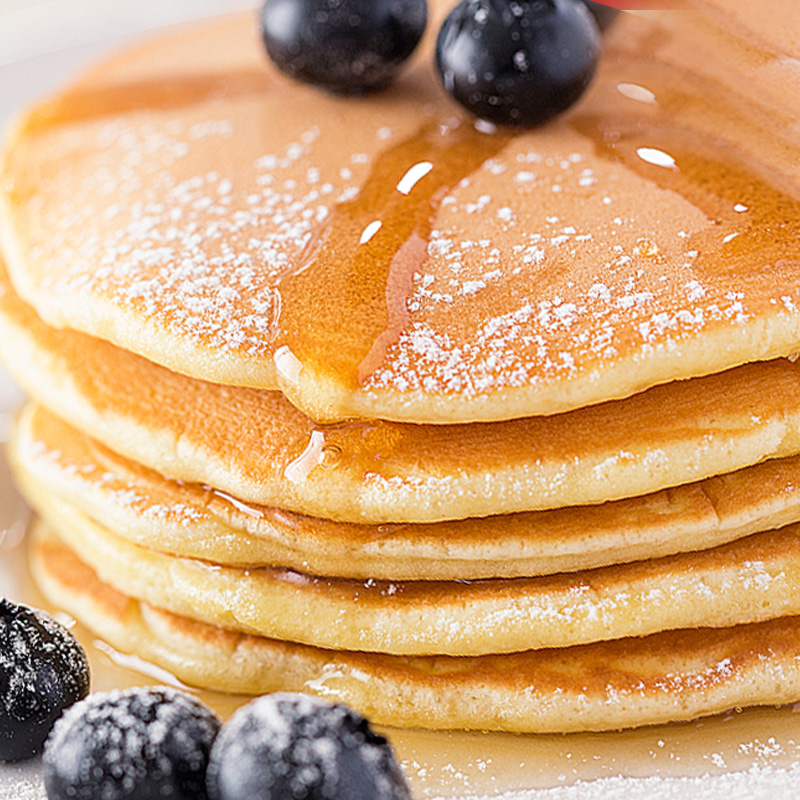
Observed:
{"x":361,"y":397}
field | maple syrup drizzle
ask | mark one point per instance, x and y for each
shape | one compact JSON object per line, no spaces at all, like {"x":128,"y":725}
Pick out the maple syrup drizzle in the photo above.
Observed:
{"x":356,"y":445}
{"x":755,"y":224}
{"x":345,"y":301}
{"x":754,"y":211}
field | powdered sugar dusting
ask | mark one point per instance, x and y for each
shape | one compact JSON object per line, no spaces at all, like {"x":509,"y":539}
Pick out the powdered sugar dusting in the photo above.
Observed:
{"x":565,"y":285}
{"x":196,"y":253}
{"x":545,"y":264}
{"x":121,"y":492}
{"x":758,"y":783}
{"x":144,"y":741}
{"x":21,"y":782}
{"x":559,"y":265}
{"x":44,"y":670}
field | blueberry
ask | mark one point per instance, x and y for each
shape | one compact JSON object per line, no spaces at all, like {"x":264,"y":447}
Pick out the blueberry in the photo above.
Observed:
{"x":140,"y":744}
{"x":518,"y":62}
{"x":342,"y":45}
{"x":293,"y":746}
{"x":604,"y":15}
{"x":43,"y":670}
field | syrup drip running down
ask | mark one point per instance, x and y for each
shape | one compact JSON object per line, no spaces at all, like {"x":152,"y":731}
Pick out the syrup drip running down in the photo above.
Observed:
{"x":366,"y":255}
{"x":754,"y":233}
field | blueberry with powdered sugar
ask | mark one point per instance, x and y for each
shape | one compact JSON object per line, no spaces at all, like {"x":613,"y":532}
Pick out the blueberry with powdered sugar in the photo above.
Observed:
{"x":140,"y":744}
{"x":43,"y":670}
{"x":293,"y":746}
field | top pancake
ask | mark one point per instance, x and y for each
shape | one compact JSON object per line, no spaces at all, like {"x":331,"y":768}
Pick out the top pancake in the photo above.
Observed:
{"x":189,"y":204}
{"x":255,"y":446}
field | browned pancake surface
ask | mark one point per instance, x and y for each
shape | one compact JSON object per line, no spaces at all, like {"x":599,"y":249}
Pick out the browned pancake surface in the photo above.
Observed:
{"x":381,"y":257}
{"x":749,"y":580}
{"x":674,"y":676}
{"x":256,"y":446}
{"x":200,"y":522}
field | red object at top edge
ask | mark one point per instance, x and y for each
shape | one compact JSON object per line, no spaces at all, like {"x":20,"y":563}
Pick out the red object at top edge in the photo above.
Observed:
{"x":644,"y":5}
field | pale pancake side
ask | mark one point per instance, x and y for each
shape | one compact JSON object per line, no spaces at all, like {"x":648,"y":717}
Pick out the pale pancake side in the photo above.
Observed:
{"x":749,"y":580}
{"x":648,"y":235}
{"x":620,"y":684}
{"x":257,"y":447}
{"x":200,"y":522}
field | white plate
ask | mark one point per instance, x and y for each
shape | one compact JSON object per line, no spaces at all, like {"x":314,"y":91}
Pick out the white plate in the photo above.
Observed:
{"x":753,"y":754}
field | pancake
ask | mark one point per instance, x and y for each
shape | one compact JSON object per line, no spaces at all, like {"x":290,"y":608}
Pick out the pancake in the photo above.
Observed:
{"x":649,"y":235}
{"x":671,"y":676}
{"x":753,"y":579}
{"x":257,"y":447}
{"x":199,"y":522}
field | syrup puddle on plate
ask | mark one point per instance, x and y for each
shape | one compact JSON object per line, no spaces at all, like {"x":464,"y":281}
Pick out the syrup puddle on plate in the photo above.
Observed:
{"x":456,"y":764}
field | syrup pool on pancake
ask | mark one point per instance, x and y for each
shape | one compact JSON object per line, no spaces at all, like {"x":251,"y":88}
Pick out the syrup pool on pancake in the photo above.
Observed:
{"x":648,"y":235}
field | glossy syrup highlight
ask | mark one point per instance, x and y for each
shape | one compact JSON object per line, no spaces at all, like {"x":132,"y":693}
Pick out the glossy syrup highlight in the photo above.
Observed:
{"x":725,"y":153}
{"x":345,"y":301}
